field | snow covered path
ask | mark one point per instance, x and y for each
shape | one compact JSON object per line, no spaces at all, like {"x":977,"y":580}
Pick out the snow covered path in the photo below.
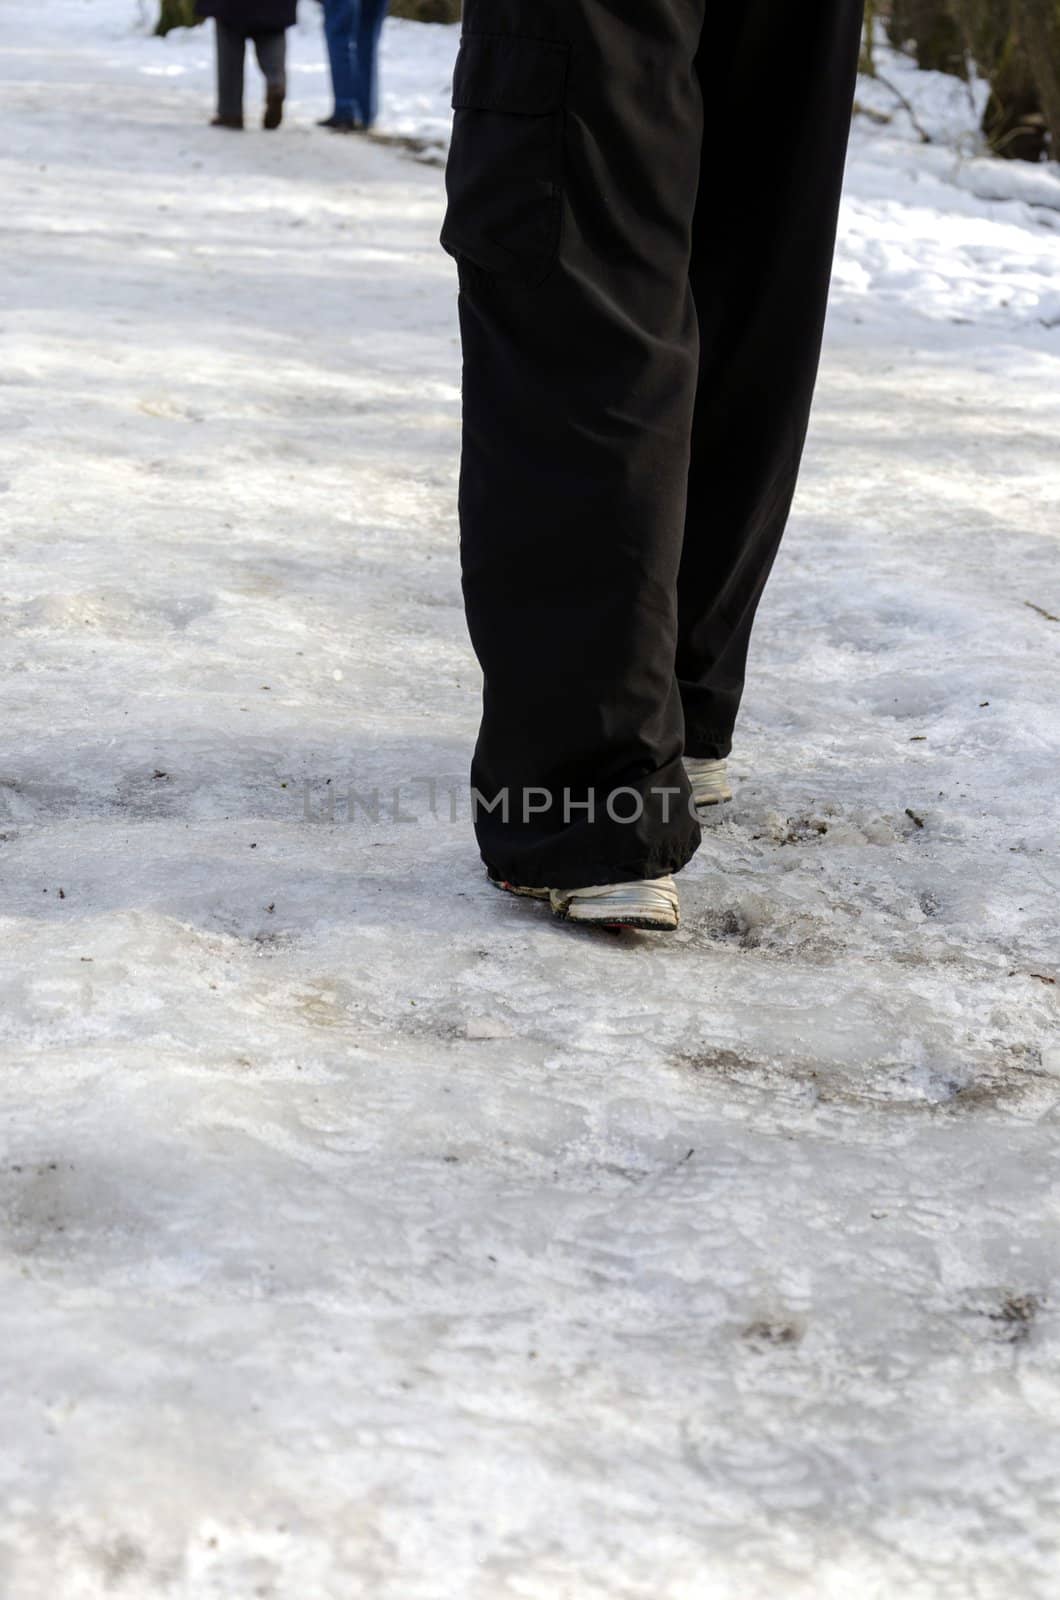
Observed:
{"x":363,"y":1232}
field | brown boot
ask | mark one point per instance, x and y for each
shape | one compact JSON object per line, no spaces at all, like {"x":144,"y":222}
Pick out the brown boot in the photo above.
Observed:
{"x":273,"y":106}
{"x":227,"y":122}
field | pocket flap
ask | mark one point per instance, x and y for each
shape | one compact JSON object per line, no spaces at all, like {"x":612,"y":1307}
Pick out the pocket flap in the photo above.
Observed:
{"x":505,"y":72}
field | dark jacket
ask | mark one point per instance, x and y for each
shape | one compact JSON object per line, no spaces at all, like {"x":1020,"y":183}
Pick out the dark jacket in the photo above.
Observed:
{"x":253,"y":16}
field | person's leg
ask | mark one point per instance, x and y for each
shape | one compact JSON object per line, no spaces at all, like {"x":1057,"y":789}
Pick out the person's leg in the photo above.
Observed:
{"x":339,"y":19}
{"x":271,"y":51}
{"x":370,"y":18}
{"x":779,"y":88}
{"x":231,"y":50}
{"x":572,"y":181}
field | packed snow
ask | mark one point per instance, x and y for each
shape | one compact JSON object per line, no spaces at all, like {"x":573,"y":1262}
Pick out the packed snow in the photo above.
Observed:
{"x":365,"y":1232}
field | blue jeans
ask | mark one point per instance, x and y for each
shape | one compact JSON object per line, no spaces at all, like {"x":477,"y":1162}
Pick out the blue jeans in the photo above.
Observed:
{"x":352,"y":29}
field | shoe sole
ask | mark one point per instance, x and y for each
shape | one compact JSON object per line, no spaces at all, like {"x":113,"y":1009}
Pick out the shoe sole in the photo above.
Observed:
{"x":644,"y":924}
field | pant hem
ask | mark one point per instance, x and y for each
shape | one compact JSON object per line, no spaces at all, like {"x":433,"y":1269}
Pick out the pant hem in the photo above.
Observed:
{"x":591,"y":874}
{"x":707,"y":745}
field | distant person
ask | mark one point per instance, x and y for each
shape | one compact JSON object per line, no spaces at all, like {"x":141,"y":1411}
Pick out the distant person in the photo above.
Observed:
{"x":236,"y":21}
{"x":352,"y":29}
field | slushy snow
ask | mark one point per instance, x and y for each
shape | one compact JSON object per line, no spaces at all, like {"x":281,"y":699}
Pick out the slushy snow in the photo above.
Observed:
{"x":367,"y":1234}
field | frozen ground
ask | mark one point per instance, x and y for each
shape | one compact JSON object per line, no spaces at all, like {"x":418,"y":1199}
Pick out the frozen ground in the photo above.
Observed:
{"x":366,"y":1234}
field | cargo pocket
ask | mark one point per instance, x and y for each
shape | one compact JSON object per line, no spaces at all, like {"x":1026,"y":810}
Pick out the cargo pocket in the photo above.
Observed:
{"x":504,"y":178}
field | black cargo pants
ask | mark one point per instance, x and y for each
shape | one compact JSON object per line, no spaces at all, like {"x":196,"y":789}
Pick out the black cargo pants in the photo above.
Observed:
{"x":642,"y":206}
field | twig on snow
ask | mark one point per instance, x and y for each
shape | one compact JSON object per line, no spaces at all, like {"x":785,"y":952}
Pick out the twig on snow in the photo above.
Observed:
{"x":918,"y":129}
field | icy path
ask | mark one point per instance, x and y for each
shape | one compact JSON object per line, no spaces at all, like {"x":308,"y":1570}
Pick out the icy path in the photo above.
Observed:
{"x":364,"y":1233}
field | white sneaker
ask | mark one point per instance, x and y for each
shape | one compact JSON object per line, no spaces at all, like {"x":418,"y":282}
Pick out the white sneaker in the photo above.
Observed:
{"x":648,"y":903}
{"x":709,"y":780}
